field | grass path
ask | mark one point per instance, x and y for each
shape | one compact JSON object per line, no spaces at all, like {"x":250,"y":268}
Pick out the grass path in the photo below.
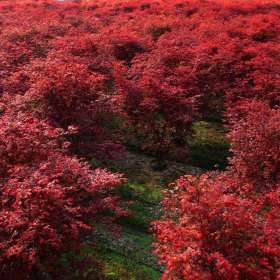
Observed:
{"x":131,"y":257}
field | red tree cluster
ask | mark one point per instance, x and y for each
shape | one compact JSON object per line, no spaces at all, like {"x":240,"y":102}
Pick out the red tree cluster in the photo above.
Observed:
{"x":68,"y":95}
{"x":227,"y":226}
{"x":170,"y":66}
{"x":69,"y":71}
{"x":48,"y":198}
{"x":193,"y":60}
{"x":54,"y":103}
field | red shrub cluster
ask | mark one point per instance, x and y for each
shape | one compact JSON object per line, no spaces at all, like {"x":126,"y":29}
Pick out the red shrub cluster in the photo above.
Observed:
{"x":198,"y":59}
{"x":256,"y":145}
{"x":55,"y":102}
{"x":48,"y":198}
{"x":227,"y":226}
{"x":170,"y":66}
{"x":73,"y":72}
{"x":68,"y":94}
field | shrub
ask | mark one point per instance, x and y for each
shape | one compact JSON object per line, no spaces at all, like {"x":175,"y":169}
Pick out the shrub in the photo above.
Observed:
{"x":47,"y":199}
{"x":226,"y":226}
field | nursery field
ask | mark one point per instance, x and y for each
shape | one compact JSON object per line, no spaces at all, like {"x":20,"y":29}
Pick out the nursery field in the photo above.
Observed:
{"x":139,"y":140}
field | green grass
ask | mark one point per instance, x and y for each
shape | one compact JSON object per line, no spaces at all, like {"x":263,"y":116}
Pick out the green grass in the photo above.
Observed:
{"x":129,"y":257}
{"x":141,"y":192}
{"x":120,"y":267}
{"x":208,"y":146}
{"x":145,"y":207}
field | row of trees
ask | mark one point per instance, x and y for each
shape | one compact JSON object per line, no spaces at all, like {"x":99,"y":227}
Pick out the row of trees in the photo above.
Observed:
{"x":52,"y":111}
{"x":78,"y":79}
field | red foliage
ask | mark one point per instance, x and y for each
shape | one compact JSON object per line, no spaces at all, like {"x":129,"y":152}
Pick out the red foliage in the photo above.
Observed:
{"x":47,"y":198}
{"x":55,"y":99}
{"x":69,"y":71}
{"x":67,"y":94}
{"x":176,"y":67}
{"x":156,"y":99}
{"x":210,"y":233}
{"x":255,"y":142}
{"x":199,"y":58}
{"x":227,"y":226}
